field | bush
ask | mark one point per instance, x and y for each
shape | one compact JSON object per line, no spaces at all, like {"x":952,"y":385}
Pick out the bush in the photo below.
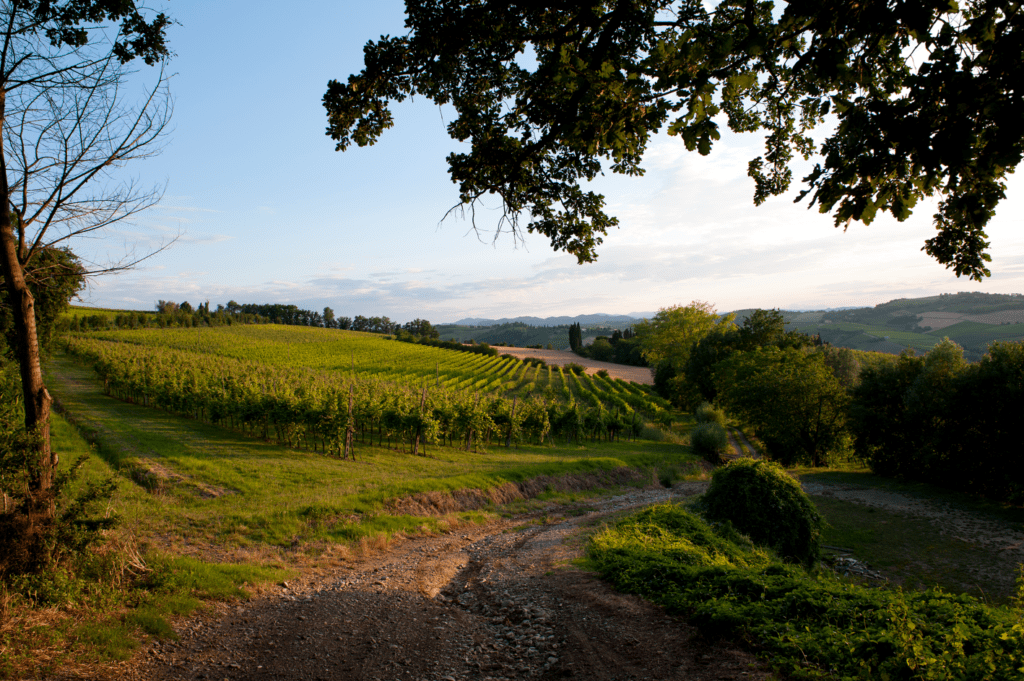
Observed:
{"x":767,"y":505}
{"x":29,"y":541}
{"x":706,"y":413}
{"x":710,"y":441}
{"x":574,"y":368}
{"x":805,"y":626}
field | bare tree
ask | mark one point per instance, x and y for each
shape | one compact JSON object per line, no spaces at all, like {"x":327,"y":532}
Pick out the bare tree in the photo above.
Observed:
{"x":66,"y":127}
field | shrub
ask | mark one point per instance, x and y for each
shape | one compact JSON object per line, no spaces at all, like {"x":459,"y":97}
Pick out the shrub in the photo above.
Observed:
{"x":603,"y":373}
{"x":706,"y":413}
{"x":805,"y":626}
{"x":574,"y":368}
{"x":767,"y":505}
{"x":710,"y":441}
{"x":29,"y":541}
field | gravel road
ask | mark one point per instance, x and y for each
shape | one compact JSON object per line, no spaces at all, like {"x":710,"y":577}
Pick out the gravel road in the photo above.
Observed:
{"x":494,"y":602}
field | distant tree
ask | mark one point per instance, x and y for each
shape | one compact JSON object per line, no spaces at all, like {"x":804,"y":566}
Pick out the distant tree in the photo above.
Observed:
{"x":673,"y":331}
{"x":601,"y":350}
{"x":667,"y":340}
{"x":842,"y":362}
{"x":185,"y":307}
{"x":345,"y":323}
{"x":761,"y":329}
{"x":329,"y":318}
{"x":575,"y":337}
{"x":166,"y":307}
{"x":421,"y":328}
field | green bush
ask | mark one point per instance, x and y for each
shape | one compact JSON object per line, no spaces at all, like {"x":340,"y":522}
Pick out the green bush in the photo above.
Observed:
{"x":806,"y":626}
{"x":574,"y":368}
{"x":706,"y":413}
{"x":767,"y":505}
{"x":710,"y":441}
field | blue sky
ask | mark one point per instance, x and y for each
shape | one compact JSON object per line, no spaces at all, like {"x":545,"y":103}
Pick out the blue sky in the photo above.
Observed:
{"x":267,"y":211}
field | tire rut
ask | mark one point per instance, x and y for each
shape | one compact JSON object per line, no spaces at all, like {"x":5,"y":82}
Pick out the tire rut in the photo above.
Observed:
{"x":499,"y":602}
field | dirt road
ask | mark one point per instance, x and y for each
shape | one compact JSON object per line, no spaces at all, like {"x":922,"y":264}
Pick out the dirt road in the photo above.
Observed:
{"x":561,"y":358}
{"x":495,"y":602}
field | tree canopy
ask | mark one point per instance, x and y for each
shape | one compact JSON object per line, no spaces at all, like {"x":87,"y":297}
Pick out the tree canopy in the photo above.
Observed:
{"x":671,"y":334}
{"x":922,"y":95}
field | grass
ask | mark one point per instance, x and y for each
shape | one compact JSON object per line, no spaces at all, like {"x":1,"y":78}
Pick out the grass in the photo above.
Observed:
{"x":805,"y":625}
{"x":209,"y":514}
{"x":215,"y":514}
{"x":919,"y":552}
{"x":234,"y":492}
{"x":98,"y":613}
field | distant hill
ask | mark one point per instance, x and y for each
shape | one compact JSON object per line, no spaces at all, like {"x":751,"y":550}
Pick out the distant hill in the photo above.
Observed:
{"x":584,"y":319}
{"x":523,"y":334}
{"x":971,"y":319}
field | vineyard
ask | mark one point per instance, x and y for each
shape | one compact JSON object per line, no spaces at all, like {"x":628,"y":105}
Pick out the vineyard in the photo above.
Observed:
{"x":329,"y":390}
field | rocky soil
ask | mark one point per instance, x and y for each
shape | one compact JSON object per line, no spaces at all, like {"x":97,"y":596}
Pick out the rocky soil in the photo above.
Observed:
{"x":494,"y":602}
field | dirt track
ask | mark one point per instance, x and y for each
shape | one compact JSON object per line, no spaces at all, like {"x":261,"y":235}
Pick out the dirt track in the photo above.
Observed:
{"x":562,"y":357}
{"x":495,"y":602}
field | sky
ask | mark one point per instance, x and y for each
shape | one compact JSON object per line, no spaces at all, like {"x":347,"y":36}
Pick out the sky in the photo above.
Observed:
{"x":261,"y":209}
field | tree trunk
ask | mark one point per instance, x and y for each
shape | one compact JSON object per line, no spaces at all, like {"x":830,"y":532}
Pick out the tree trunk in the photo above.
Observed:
{"x":37,"y":399}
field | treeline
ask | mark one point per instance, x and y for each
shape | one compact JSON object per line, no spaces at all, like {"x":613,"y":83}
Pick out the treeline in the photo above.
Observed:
{"x":935,"y":418}
{"x":169,"y":314}
{"x":622,"y":347}
{"x":939,"y":419}
{"x":477,"y":348}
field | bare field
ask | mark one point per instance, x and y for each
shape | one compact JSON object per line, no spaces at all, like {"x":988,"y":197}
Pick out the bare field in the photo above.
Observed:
{"x":939,"y":320}
{"x":1010,"y":316}
{"x":561,"y":358}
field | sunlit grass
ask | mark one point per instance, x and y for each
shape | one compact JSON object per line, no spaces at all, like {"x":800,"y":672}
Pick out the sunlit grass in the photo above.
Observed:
{"x":221,"y":488}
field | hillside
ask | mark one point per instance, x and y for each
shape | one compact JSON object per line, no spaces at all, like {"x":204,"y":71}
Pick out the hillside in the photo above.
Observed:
{"x":973,"y":320}
{"x":520,"y":334}
{"x":599,"y":319}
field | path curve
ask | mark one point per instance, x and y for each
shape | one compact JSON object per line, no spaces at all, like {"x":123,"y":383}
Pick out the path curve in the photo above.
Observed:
{"x":498,"y":602}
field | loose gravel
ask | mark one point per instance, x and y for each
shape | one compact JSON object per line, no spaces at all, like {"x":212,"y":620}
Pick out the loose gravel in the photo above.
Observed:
{"x":495,"y":603}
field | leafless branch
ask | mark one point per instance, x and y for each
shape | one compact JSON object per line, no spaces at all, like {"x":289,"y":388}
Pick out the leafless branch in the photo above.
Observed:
{"x":66,"y":138}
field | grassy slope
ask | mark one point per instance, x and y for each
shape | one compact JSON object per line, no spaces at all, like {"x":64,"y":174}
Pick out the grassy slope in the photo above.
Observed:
{"x":868,"y":328}
{"x":239,"y":492}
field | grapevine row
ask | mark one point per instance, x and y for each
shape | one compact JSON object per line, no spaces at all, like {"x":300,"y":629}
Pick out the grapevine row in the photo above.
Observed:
{"x":326,"y":411}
